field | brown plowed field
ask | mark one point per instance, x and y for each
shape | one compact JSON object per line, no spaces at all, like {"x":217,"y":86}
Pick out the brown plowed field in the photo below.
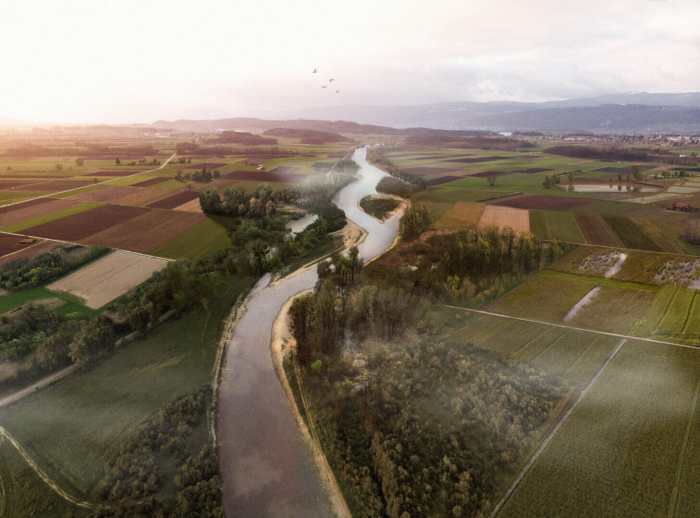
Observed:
{"x":22,"y":211}
{"x":84,"y":224}
{"x":428,"y":171}
{"x":29,"y":252}
{"x":151,"y":181}
{"x":60,"y":185}
{"x":596,"y":230}
{"x":10,"y":243}
{"x":146,"y":232}
{"x":174,"y":200}
{"x":505,"y":217}
{"x":104,"y":193}
{"x":11,"y":184}
{"x":141,"y":196}
{"x":537,"y":201}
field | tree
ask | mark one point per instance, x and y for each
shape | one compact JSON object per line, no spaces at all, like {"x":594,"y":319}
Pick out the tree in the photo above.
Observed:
{"x":79,"y":162}
{"x":117,"y":161}
{"x":299,"y":317}
{"x":93,"y":339}
{"x":491,"y":179}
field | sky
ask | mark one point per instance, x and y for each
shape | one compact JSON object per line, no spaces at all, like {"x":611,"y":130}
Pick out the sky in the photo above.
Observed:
{"x":93,"y":61}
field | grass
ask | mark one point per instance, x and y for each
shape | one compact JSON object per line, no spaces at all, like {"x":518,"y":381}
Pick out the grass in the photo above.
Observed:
{"x":73,"y":427}
{"x":49,"y":217}
{"x":630,"y":233}
{"x":200,"y":239}
{"x":623,"y":443}
{"x":7,"y":197}
{"x":570,"y":354}
{"x":549,"y":224}
{"x":23,"y":493}
{"x":71,"y":304}
{"x":460,"y":216}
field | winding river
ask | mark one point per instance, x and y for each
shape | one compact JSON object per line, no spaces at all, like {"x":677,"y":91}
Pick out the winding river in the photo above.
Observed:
{"x":266,"y":467}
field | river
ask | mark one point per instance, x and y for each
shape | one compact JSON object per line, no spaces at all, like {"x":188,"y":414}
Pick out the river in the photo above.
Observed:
{"x":267,"y":469}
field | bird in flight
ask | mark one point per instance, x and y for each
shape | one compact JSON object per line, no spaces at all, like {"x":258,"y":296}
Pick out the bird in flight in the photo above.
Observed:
{"x":315,"y":71}
{"x":324,"y":86}
{"x":331,"y":80}
{"x":337,"y":91}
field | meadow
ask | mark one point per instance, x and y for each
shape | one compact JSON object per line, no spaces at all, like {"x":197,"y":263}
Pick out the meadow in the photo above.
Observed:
{"x":73,"y":428}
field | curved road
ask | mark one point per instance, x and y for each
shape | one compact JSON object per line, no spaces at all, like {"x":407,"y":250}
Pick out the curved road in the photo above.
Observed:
{"x":267,"y":469}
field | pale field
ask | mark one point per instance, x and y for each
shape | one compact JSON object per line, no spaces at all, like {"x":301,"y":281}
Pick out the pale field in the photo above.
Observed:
{"x":190,"y":206}
{"x":109,"y":277}
{"x":504,"y":217}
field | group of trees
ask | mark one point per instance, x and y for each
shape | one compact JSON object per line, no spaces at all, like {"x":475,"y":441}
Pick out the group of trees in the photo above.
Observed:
{"x":203,"y":176}
{"x":36,"y":340}
{"x":371,"y":351}
{"x":415,"y":221}
{"x":405,"y":445}
{"x":44,"y":268}
{"x":261,"y":202}
{"x":138,"y":472}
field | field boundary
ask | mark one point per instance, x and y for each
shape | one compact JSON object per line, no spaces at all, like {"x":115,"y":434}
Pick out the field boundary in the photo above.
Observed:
{"x":543,"y":446}
{"x":574,"y":328}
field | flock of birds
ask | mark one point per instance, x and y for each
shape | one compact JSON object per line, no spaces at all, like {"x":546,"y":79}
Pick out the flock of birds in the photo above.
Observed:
{"x":330,"y":81}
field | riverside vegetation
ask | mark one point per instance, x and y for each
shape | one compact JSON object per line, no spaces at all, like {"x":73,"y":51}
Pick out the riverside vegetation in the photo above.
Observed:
{"x":370,"y":348}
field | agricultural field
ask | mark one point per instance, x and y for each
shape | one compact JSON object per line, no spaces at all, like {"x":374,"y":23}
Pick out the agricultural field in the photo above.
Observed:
{"x":73,"y":427}
{"x":570,"y":199}
{"x":139,"y":193}
{"x":109,"y":277}
{"x":631,"y":444}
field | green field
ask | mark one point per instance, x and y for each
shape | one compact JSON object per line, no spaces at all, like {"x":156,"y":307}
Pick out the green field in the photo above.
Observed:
{"x":24,"y":494}
{"x":570,"y":354}
{"x":197,"y":241}
{"x":72,"y":427}
{"x":550,"y":224}
{"x":71,"y":304}
{"x":50,"y":216}
{"x":630,"y":448}
{"x":631,"y":234}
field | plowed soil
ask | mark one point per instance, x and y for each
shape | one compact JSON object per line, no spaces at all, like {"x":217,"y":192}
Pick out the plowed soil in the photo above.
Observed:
{"x":174,"y":200}
{"x":79,"y":226}
{"x":146,"y":232}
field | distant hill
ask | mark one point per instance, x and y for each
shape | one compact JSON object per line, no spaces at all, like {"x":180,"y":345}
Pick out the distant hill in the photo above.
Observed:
{"x":618,"y":113}
{"x":261,"y":125}
{"x":307,"y":136}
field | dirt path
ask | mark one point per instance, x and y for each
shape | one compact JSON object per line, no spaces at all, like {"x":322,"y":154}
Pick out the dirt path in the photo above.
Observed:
{"x":5,"y":435}
{"x":52,"y":194}
{"x":40,"y":384}
{"x":574,"y":328}
{"x":554,"y":431}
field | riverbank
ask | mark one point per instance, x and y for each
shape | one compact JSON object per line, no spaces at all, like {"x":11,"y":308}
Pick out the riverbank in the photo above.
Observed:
{"x":281,"y":346}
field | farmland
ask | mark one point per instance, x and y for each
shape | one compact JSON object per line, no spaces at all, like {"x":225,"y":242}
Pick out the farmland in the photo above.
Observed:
{"x":73,"y":427}
{"x":109,"y":277}
{"x":627,"y":444}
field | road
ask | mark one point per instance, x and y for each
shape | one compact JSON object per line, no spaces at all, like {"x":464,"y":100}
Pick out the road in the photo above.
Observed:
{"x":40,"y":384}
{"x":267,"y":468}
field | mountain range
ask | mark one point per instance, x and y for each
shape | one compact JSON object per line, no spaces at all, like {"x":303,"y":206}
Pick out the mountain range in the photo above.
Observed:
{"x":618,"y":113}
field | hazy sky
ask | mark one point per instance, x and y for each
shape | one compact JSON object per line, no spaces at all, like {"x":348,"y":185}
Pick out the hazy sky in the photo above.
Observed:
{"x":137,"y":61}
